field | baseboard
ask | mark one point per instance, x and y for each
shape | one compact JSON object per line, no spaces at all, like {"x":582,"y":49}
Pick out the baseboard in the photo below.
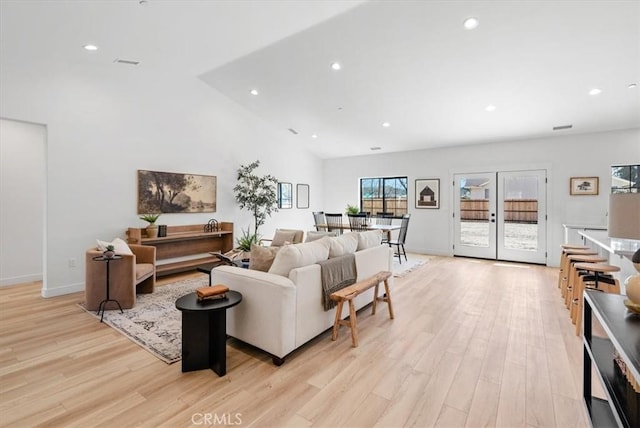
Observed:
{"x":5,"y":282}
{"x":65,"y":289}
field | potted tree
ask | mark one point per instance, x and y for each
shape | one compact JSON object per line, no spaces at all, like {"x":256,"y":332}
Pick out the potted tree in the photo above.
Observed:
{"x":152,"y":228}
{"x":256,"y":194}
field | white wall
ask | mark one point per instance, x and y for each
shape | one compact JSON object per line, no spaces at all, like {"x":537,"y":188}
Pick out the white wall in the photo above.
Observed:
{"x":430,"y":231}
{"x":22,"y":193}
{"x":106,"y":123}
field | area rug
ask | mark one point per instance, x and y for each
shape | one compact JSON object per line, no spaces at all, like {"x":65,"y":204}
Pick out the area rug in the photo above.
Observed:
{"x":407,"y":266}
{"x":155,"y":323}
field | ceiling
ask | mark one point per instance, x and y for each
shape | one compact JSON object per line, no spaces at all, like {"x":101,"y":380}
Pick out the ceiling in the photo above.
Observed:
{"x":409,"y":63}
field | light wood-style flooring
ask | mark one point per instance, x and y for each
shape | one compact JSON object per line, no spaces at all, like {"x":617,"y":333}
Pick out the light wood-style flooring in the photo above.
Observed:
{"x":474,"y":343}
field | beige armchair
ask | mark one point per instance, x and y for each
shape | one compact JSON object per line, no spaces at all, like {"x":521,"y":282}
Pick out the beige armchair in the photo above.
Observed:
{"x":284,"y":236}
{"x":132,"y":274}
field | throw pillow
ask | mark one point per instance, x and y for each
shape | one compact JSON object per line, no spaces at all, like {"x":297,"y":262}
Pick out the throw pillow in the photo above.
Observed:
{"x":298,"y":255}
{"x":283,"y":237}
{"x":343,"y":244}
{"x":368,"y":239}
{"x":262,"y":257}
{"x":314,"y":236}
{"x":119,"y":246}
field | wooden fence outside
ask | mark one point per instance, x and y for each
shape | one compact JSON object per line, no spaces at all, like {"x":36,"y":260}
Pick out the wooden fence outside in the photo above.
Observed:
{"x":515,"y":210}
{"x":397,"y":206}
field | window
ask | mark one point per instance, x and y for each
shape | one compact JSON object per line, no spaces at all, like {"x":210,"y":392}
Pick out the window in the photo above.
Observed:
{"x":625,"y":179}
{"x":384,"y":194}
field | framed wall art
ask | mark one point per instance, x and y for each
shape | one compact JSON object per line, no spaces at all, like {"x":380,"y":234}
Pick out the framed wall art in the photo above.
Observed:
{"x":428,"y":193}
{"x":171,"y":192}
{"x":583,"y":185}
{"x":285,"y":195}
{"x":302,"y":196}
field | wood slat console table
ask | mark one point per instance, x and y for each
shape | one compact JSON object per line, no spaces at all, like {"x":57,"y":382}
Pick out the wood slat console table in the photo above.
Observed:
{"x":182,"y":241}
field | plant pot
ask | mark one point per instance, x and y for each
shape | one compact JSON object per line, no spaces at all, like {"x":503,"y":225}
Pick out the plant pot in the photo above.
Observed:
{"x":152,"y":231}
{"x":108,"y":254}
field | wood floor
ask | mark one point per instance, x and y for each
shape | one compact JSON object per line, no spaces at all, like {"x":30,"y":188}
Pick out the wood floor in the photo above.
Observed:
{"x":473,"y":343}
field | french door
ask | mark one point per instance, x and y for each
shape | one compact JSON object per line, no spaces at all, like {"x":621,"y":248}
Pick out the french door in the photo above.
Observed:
{"x":501,"y":215}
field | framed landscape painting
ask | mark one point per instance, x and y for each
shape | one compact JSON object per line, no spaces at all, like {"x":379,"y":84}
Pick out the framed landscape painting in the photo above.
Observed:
{"x":171,"y":192}
{"x":583,"y":185}
{"x":428,"y":193}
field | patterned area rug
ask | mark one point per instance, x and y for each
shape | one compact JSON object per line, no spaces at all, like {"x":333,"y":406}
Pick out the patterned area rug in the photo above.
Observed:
{"x":407,"y":266}
{"x":155,"y":323}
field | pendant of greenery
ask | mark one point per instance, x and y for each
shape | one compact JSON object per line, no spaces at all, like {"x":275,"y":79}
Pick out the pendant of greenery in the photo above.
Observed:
{"x":256,"y":194}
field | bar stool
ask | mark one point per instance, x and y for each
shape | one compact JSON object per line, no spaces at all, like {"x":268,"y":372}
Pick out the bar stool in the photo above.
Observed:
{"x":566,"y":248}
{"x":564,"y":268}
{"x":597,"y":279}
{"x":573,"y":273}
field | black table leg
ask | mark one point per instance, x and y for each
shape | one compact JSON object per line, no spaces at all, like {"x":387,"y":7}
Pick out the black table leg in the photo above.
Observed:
{"x":204,"y":341}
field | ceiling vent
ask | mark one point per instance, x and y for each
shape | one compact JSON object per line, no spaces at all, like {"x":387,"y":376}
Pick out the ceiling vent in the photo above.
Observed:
{"x":126,"y":61}
{"x":293,"y":131}
{"x":561,"y":127}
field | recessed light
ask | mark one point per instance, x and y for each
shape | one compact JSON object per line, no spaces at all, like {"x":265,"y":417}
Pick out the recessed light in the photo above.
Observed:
{"x":254,"y":92}
{"x":471,"y":23}
{"x":595,"y":91}
{"x":336,"y":66}
{"x":375,"y":148}
{"x":386,"y":124}
{"x":314,"y":136}
{"x":632,"y":85}
{"x":490,"y":107}
{"x":90,"y":47}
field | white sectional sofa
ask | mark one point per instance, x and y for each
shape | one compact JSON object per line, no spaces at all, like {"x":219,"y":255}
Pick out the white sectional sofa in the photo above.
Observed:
{"x":282,"y":309}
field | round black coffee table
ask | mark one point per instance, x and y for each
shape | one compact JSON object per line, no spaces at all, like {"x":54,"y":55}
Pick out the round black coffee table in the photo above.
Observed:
{"x":204,"y":332}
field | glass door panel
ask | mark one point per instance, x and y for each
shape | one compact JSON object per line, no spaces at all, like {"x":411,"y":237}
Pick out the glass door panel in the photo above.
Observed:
{"x":522,"y":216}
{"x":475,"y":217}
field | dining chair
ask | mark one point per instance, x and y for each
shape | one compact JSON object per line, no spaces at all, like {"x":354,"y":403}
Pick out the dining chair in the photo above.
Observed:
{"x":318,"y":218}
{"x":402,"y":236}
{"x":384,"y":218}
{"x":334,"y":222}
{"x":358,"y":222}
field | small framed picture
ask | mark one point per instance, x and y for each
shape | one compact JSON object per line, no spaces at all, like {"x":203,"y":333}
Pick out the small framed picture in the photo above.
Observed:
{"x":428,"y":193}
{"x":583,"y":185}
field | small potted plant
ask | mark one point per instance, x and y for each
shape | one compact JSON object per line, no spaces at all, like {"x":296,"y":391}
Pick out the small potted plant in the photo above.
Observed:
{"x":152,"y":228}
{"x":352,"y":209}
{"x":244,"y":243}
{"x":109,"y":252}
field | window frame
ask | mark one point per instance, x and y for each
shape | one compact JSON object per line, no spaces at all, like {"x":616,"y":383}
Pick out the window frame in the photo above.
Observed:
{"x":397,"y":212}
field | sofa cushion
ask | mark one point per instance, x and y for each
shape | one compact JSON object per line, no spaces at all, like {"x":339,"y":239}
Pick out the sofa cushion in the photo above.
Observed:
{"x":143,"y":270}
{"x":312,"y":235}
{"x":343,"y":244}
{"x":283,"y":237}
{"x":119,"y":246}
{"x":368,"y":239}
{"x":262,"y":257}
{"x":298,"y":255}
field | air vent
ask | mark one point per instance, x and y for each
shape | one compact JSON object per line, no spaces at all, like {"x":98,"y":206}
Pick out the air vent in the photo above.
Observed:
{"x":126,"y":61}
{"x":293,"y":131}
{"x":561,"y":127}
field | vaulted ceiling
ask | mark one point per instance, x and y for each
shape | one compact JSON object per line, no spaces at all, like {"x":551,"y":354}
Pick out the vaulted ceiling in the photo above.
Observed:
{"x":409,"y":64}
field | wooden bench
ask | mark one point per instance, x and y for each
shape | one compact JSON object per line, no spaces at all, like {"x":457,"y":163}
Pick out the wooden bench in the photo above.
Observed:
{"x":347,"y":294}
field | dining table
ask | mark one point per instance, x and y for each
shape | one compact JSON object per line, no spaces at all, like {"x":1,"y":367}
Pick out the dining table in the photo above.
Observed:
{"x":385,"y":228}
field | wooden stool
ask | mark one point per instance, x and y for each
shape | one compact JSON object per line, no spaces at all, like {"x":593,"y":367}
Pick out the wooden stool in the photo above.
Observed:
{"x":597,"y":281}
{"x":347,"y":294}
{"x":563,"y":255}
{"x":564,"y":267}
{"x":572,"y":273}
